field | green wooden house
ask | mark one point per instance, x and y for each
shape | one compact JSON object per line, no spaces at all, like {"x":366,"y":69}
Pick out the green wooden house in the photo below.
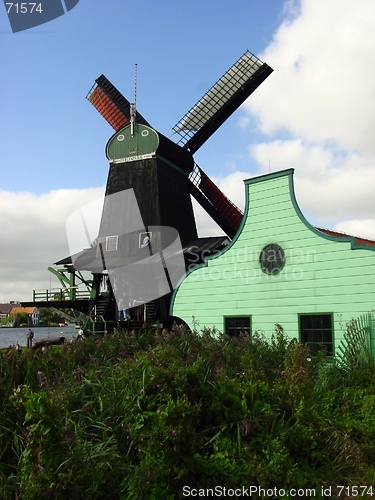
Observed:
{"x":279,"y":269}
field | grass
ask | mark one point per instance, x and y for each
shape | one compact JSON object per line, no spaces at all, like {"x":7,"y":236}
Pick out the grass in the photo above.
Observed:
{"x":141,"y":416}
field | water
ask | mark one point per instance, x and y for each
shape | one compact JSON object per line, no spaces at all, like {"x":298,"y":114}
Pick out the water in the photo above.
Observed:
{"x":10,"y":336}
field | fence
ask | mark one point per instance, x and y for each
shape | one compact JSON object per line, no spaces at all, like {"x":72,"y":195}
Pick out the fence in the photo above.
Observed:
{"x":60,"y":294}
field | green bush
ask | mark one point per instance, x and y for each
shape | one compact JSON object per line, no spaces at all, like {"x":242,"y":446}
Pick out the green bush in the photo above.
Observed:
{"x":141,"y":416}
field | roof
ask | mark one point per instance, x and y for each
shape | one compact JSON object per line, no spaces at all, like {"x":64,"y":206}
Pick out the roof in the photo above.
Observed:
{"x":199,"y":246}
{"x":5,"y":308}
{"x":20,"y":310}
{"x":358,"y":239}
{"x":66,"y":261}
{"x":205,"y":245}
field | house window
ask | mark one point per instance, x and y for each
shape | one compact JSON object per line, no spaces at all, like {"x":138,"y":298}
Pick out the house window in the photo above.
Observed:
{"x":234,"y":325}
{"x":111,"y":243}
{"x":144,"y":239}
{"x":316,"y":331}
{"x":272,"y":259}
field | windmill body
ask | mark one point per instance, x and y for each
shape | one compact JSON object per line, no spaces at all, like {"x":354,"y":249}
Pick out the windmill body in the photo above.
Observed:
{"x":157,"y":170}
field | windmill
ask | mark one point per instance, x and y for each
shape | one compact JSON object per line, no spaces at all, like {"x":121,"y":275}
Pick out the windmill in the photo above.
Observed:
{"x":194,"y":129}
{"x":162,"y":176}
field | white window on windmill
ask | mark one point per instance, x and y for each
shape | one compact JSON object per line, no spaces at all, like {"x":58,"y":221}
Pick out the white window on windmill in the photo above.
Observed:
{"x":144,"y":239}
{"x":111,"y":243}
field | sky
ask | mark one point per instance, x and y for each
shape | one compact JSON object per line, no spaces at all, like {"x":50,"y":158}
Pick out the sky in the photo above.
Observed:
{"x":315,"y":113}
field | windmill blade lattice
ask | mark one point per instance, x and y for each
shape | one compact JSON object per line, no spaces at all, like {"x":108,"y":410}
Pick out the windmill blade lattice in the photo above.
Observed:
{"x":111,"y":104}
{"x":223,"y":98}
{"x":222,"y":210}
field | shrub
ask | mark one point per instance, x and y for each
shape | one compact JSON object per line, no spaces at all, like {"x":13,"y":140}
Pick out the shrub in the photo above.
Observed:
{"x":139,"y":416}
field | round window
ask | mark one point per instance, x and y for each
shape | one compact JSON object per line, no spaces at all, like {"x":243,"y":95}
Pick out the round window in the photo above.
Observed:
{"x":272,"y":259}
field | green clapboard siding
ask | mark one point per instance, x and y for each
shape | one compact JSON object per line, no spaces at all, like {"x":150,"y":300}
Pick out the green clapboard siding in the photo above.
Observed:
{"x":322,"y":274}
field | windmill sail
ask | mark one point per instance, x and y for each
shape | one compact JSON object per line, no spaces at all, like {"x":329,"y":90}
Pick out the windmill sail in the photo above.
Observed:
{"x":111,"y":104}
{"x":222,"y":210}
{"x":223,"y":98}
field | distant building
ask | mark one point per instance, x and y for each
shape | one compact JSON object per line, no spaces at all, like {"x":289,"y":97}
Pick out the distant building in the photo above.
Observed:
{"x":280,"y":270}
{"x":5,"y":309}
{"x":33,"y":316}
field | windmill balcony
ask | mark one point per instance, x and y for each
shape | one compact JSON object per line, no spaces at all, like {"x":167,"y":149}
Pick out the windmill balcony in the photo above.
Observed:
{"x":60,"y":294}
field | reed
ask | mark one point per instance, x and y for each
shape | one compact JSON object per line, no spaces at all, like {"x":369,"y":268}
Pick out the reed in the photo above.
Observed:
{"x":140,"y":416}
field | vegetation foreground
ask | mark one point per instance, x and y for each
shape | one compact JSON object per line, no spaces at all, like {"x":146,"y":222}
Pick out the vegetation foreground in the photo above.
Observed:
{"x":143,"y":416}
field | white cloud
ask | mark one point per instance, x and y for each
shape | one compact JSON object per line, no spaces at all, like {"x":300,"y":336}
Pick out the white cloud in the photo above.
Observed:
{"x":323,"y":86}
{"x":362,"y":227}
{"x":329,"y":185}
{"x":34,"y":236}
{"x":318,"y":110}
{"x":205,"y":226}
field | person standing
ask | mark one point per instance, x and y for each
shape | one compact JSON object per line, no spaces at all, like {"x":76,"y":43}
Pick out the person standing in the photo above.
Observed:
{"x":30,"y":336}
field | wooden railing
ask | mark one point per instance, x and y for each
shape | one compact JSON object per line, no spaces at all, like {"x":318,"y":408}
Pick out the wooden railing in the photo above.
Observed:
{"x":60,"y":294}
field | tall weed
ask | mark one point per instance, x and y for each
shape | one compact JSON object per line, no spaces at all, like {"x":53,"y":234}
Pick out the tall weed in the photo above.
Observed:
{"x":134,"y":416}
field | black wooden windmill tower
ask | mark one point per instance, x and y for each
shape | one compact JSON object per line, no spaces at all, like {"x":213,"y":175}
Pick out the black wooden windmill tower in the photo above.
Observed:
{"x":163,"y":176}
